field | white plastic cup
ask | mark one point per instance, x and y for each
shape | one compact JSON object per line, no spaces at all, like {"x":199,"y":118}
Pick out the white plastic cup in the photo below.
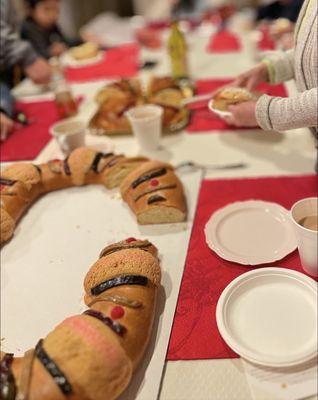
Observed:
{"x":146,"y":122}
{"x":69,"y":134}
{"x":307,"y":238}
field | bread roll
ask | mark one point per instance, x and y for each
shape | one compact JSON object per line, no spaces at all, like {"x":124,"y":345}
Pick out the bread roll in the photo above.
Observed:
{"x":229,"y":96}
{"x":92,"y":356}
{"x":155,"y":194}
{"x":23,"y":183}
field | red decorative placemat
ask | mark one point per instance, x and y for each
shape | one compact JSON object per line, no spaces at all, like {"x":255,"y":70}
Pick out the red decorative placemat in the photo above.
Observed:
{"x":203,"y":120}
{"x":195,"y":334}
{"x":25,"y":143}
{"x":266,"y":42}
{"x":119,"y":62}
{"x":224,"y":41}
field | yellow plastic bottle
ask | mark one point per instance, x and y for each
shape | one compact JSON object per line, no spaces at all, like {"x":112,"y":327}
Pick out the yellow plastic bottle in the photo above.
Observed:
{"x":177,"y":48}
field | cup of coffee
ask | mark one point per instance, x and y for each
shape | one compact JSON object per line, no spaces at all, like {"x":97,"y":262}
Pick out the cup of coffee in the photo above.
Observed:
{"x":69,"y":134}
{"x":305,"y":221}
{"x":146,"y":122}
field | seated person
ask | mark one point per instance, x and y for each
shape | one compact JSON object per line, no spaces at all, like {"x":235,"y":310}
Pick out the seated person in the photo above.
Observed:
{"x":6,"y":111}
{"x":41,"y":30}
{"x":288,"y":9}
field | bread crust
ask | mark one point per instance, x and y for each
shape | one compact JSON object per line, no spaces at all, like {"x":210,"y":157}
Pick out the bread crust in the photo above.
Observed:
{"x":23,"y":183}
{"x":155,"y":194}
{"x":95,"y":357}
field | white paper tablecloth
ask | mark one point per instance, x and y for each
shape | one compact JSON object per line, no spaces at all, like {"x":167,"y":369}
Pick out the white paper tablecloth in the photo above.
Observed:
{"x":265,"y":153}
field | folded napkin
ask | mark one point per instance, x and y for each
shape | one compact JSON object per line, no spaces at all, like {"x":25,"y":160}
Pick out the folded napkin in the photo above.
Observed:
{"x":122,"y":61}
{"x":224,"y":41}
{"x":195,"y":334}
{"x":203,"y":120}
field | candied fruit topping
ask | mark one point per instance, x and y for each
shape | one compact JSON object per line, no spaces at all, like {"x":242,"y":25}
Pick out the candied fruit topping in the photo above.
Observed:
{"x":154,"y":182}
{"x":117,"y":312}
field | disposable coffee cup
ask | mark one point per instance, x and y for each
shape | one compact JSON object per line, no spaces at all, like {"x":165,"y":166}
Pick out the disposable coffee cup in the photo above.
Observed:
{"x":69,"y":134}
{"x":304,"y":217}
{"x":146,"y":122}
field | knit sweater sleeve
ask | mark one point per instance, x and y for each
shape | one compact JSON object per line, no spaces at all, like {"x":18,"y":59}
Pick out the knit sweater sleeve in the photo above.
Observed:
{"x":277,"y":113}
{"x":280,"y":65}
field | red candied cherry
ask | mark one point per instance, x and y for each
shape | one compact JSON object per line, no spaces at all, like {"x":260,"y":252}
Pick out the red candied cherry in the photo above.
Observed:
{"x":131,"y":239}
{"x":154,"y":182}
{"x":117,"y":312}
{"x":2,"y":187}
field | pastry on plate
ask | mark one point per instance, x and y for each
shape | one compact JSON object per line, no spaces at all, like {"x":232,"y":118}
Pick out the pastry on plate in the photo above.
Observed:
{"x":230,"y":96}
{"x":84,"y":51}
{"x":119,"y":96}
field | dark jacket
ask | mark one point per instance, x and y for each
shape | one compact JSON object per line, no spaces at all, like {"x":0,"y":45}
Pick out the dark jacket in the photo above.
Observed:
{"x":13,"y":50}
{"x":277,"y":10}
{"x":40,"y":38}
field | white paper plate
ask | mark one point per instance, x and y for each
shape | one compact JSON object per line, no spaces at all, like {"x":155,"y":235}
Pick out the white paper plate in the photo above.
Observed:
{"x":220,"y":113}
{"x":269,"y":317}
{"x":251,"y":232}
{"x":70,"y":61}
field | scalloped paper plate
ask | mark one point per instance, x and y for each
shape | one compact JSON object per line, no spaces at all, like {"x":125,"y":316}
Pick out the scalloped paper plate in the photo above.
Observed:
{"x":69,"y":61}
{"x":251,"y":232}
{"x":220,"y":113}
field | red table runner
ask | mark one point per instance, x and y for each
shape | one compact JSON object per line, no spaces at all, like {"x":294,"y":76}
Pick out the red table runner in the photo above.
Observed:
{"x":224,"y":41}
{"x":204,"y":120}
{"x":195,"y":334}
{"x":25,"y":143}
{"x":119,"y":62}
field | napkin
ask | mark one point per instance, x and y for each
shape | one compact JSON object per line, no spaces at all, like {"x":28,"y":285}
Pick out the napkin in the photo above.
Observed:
{"x":224,"y":41}
{"x":204,"y":120}
{"x":195,"y":334}
{"x":122,"y":61}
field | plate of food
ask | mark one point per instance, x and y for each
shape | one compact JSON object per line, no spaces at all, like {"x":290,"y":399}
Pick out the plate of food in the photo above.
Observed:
{"x":119,"y":96}
{"x":83,"y":55}
{"x":229,"y":96}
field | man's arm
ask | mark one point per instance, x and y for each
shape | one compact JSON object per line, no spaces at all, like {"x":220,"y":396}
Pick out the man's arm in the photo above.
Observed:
{"x":13,"y":50}
{"x":32,"y":34}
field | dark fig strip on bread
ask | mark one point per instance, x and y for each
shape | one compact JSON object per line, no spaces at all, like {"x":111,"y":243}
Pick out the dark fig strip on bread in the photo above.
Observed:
{"x":119,"y":281}
{"x":113,"y":325}
{"x":7,"y":182}
{"x":52,"y":368}
{"x":8,"y":386}
{"x":148,"y":176}
{"x":66,"y":167}
{"x":157,"y":189}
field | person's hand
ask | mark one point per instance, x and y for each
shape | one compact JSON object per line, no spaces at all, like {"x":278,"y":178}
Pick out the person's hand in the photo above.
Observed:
{"x":6,"y":126}
{"x":39,"y":72}
{"x":243,"y":115}
{"x":57,"y":49}
{"x":286,"y":42}
{"x":252,"y":78}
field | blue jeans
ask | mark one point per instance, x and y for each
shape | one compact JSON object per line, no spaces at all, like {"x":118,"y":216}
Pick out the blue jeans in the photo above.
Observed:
{"x":6,"y":100}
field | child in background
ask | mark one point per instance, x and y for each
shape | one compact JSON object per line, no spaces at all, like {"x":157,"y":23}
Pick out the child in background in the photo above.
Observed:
{"x":41,"y":29}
